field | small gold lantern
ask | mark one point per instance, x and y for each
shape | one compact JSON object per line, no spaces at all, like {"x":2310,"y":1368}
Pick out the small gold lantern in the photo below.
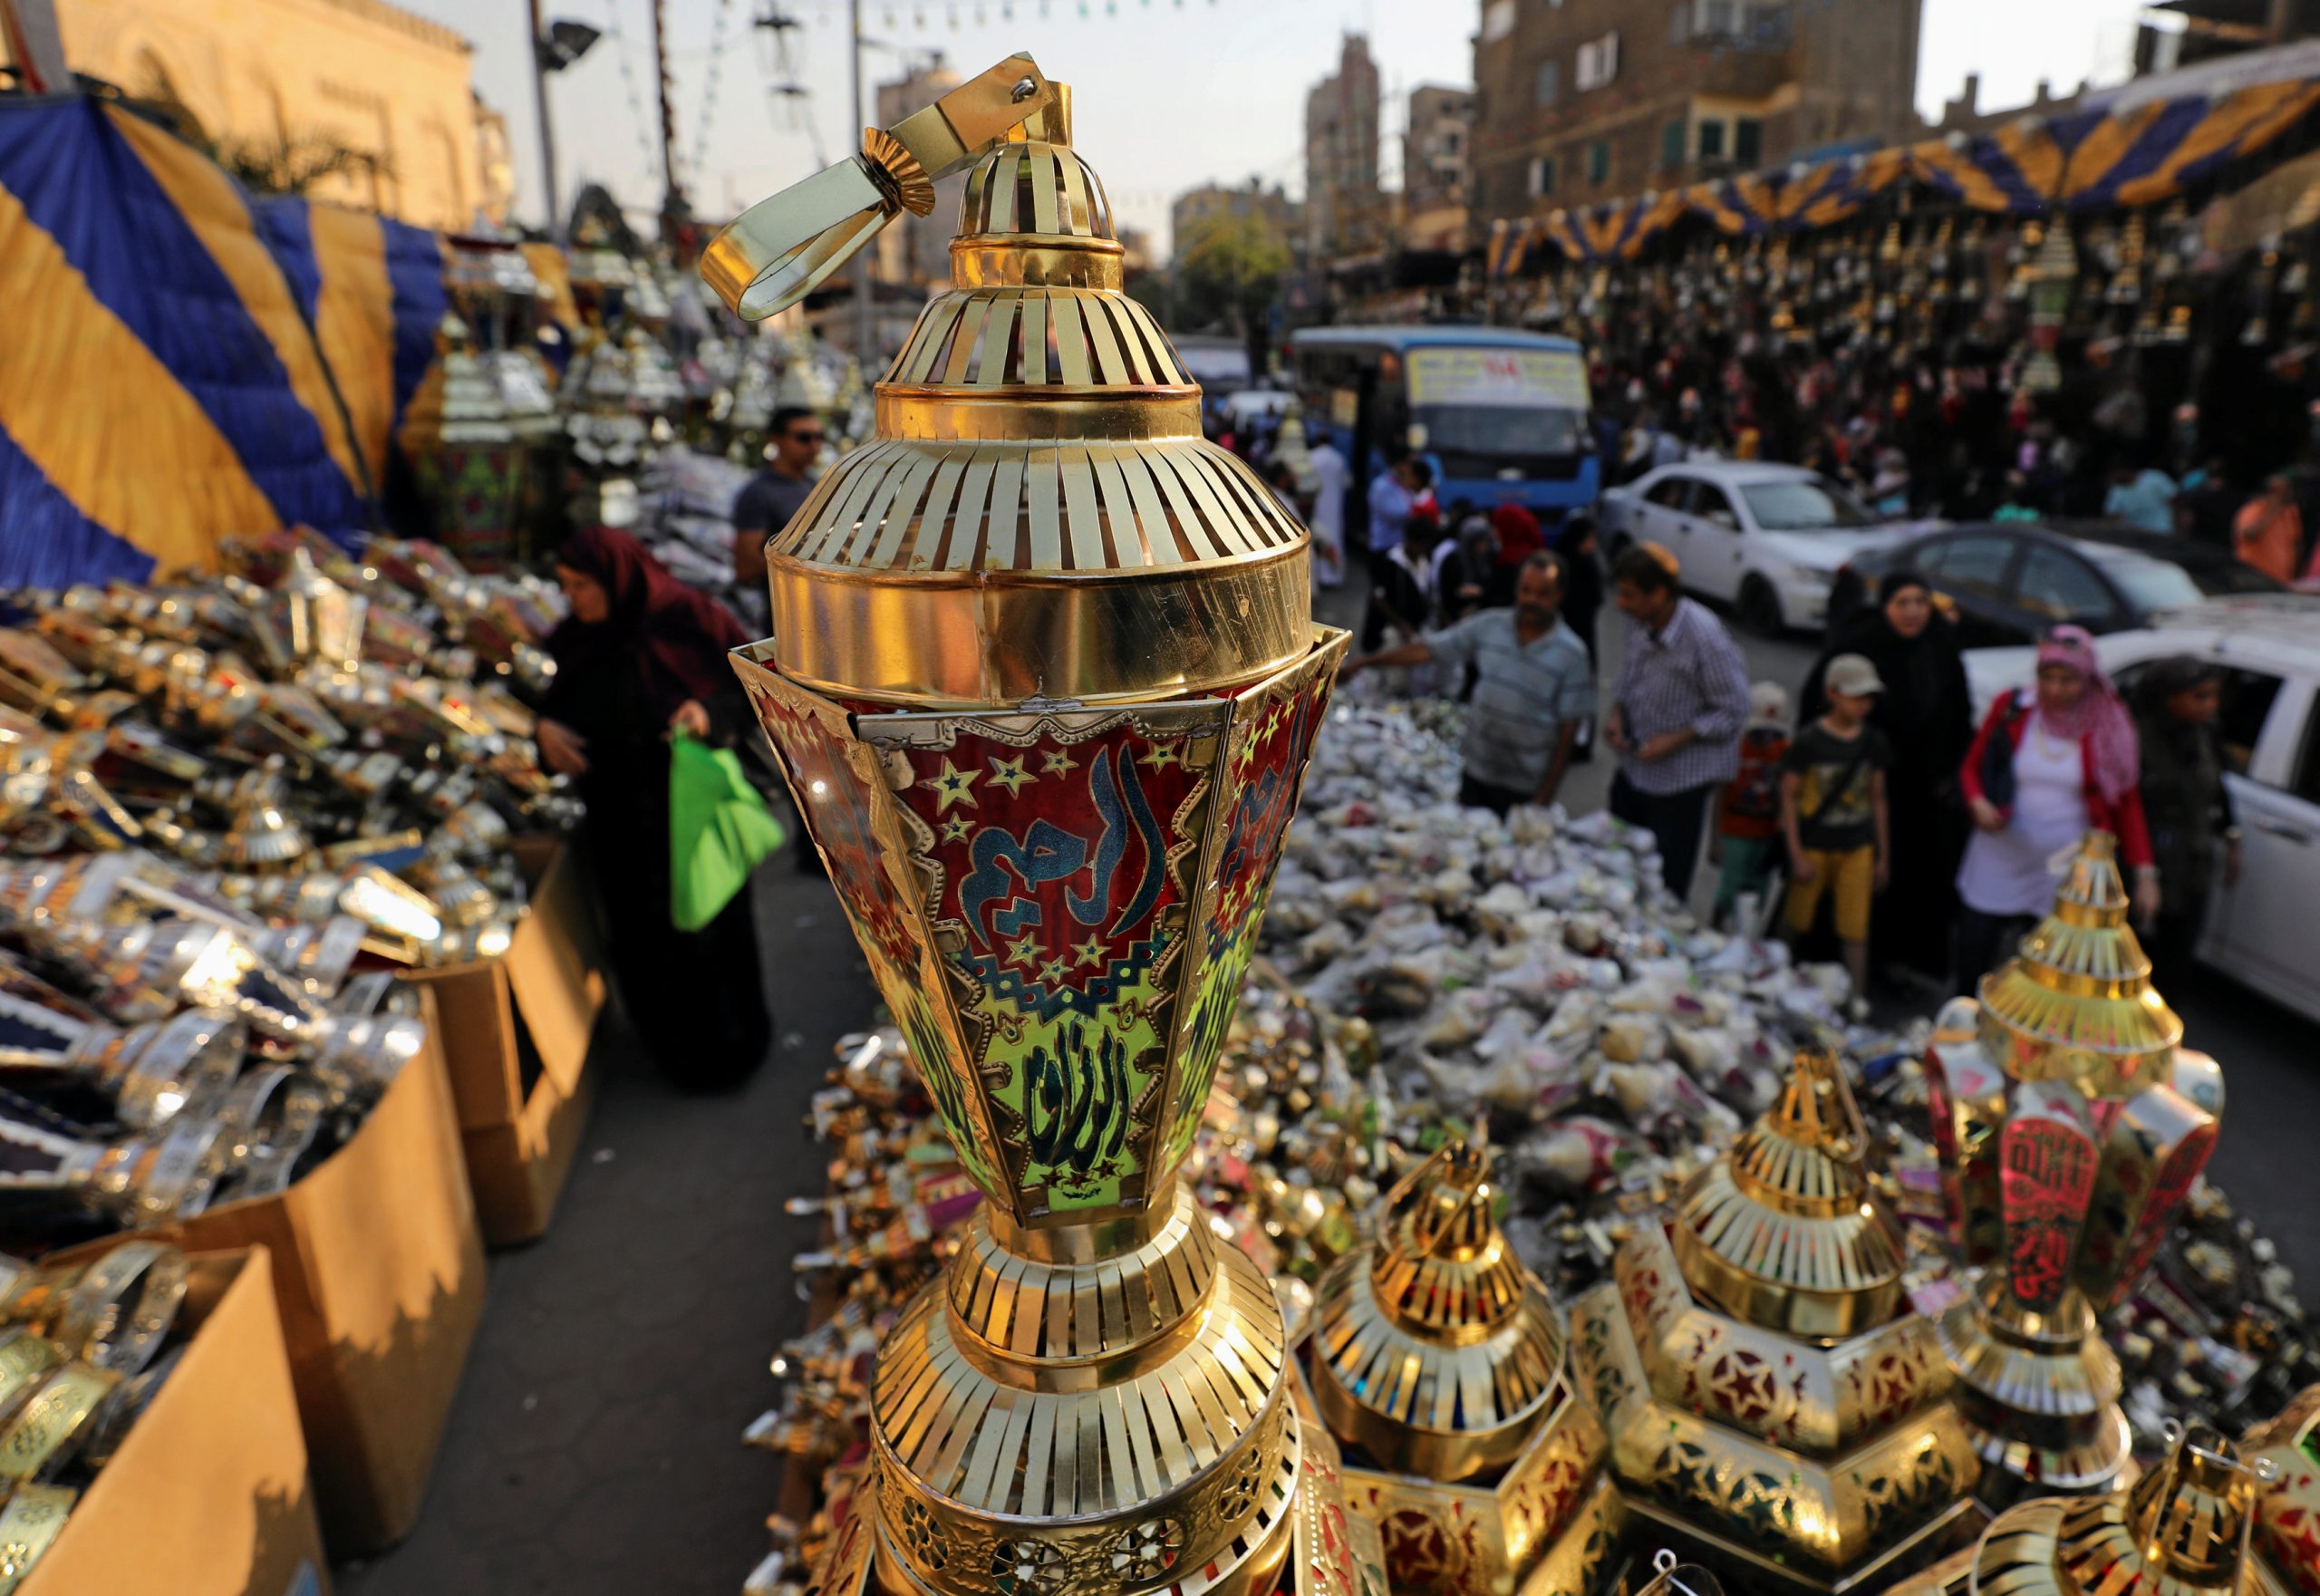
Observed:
{"x":1437,"y":1361}
{"x":1044,"y":679}
{"x":2184,"y":1528}
{"x":1770,"y":1395}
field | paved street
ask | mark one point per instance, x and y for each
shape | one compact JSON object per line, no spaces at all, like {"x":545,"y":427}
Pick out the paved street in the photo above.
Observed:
{"x":595,"y":1444}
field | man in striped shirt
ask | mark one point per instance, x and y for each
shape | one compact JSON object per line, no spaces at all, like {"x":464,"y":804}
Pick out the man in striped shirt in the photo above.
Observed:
{"x":1534,"y":685}
{"x":1676,"y":713}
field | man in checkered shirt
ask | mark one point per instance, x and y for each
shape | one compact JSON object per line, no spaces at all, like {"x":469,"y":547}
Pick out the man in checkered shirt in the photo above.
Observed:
{"x":1676,"y":712}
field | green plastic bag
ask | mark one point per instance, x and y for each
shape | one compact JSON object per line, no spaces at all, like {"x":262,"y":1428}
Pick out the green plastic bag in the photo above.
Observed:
{"x":718,"y":831}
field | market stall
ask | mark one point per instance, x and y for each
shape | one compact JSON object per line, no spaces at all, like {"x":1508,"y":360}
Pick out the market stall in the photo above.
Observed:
{"x":294,"y":965}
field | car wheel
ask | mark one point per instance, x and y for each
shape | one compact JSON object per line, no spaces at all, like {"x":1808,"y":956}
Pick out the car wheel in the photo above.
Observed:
{"x":1759,"y":609}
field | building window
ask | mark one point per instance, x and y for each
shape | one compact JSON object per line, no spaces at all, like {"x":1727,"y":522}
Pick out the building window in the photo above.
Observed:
{"x":1671,"y":145}
{"x":1599,"y":62}
{"x":1717,"y":18}
{"x":1767,"y":24}
{"x":1748,"y":140}
{"x":1712,"y":139}
{"x":1542,"y":176}
{"x":1549,"y":82}
{"x":1498,"y":21}
{"x":1598,"y":161}
{"x":1679,"y":24}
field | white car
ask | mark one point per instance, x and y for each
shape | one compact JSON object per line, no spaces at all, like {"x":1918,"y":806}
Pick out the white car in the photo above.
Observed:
{"x":1766,"y":539}
{"x":2258,"y":932}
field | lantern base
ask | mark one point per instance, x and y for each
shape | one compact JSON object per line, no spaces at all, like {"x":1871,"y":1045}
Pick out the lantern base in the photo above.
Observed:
{"x":2038,"y":1394}
{"x":1086,"y":1408}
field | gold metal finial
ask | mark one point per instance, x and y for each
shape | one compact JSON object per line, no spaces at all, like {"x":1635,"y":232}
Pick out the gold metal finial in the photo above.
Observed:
{"x":780,"y":249}
{"x":2076,"y":1004}
{"x":1785,"y":1230}
{"x":1038,"y":458}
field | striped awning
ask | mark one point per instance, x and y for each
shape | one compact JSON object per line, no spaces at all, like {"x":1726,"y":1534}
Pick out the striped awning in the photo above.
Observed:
{"x":374,"y":290}
{"x":2122,"y":152}
{"x":161,"y":388}
{"x":2107,"y":157}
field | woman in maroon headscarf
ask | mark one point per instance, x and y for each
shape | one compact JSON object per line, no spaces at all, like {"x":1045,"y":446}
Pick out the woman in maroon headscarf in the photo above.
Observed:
{"x":642,"y":655}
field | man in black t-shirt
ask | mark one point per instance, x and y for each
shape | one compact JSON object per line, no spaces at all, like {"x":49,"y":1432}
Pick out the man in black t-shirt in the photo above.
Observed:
{"x":1833,"y":814}
{"x":769,"y":499}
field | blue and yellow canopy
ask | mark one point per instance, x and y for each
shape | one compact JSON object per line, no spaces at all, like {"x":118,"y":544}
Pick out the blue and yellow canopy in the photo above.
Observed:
{"x":2080,"y":161}
{"x":160,"y":387}
{"x":372,"y":290}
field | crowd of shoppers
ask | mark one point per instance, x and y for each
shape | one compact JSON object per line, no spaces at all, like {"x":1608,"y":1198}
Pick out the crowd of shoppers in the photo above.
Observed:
{"x":1926,"y":844}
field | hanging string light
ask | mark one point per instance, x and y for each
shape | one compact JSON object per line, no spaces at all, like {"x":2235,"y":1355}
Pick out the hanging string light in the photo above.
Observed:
{"x":694,"y":167}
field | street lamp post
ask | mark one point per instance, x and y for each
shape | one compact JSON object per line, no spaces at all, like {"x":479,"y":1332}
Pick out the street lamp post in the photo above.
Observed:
{"x":547,"y":132}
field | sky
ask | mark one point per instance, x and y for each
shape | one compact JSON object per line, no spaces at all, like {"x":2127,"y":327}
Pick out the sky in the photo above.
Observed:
{"x":1167,"y":94}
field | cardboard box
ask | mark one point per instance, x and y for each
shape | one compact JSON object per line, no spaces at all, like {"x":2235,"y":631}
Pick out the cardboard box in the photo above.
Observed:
{"x":517,"y":1171}
{"x":378,"y":1271}
{"x":209,"y":1494}
{"x":516,"y":1035}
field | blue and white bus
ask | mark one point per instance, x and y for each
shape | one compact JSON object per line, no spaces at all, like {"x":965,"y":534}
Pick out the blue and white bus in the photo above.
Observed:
{"x":1502,"y":416}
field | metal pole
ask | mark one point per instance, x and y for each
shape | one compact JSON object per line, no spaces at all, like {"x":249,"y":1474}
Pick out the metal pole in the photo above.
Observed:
{"x":672,"y":200}
{"x":865,"y":349}
{"x":547,"y":133}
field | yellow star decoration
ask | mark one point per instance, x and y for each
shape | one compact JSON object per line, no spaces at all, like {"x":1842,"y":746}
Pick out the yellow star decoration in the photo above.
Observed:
{"x":1160,"y":754}
{"x":1024,"y":949}
{"x":1090,"y":952}
{"x":1250,"y":737}
{"x":1011,"y":775}
{"x":1275,"y":716}
{"x":953,"y":786}
{"x":1056,"y":763}
{"x":1054,"y":970}
{"x":956,"y":828}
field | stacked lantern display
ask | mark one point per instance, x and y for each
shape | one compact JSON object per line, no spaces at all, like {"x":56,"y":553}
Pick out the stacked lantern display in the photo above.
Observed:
{"x":2071,"y":1125}
{"x":1044,"y":683}
{"x":1771,"y":1396}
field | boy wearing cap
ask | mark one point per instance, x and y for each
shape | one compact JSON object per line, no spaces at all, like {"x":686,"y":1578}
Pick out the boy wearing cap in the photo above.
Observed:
{"x":1832,"y":815}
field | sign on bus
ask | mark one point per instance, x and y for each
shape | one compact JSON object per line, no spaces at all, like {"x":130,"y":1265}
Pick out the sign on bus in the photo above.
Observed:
{"x":1547,"y":379}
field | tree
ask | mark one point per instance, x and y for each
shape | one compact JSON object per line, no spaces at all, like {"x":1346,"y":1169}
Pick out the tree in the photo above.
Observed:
{"x":1228,"y":270}
{"x":1155,"y":292}
{"x":280,"y":164}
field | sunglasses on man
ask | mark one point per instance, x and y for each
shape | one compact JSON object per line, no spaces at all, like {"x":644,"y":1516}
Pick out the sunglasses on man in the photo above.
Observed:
{"x":814,"y":437}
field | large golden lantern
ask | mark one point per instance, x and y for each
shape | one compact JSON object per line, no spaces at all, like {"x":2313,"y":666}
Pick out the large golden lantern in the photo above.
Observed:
{"x":1043,"y":679}
{"x":1771,"y":1396}
{"x":2070,"y":1126}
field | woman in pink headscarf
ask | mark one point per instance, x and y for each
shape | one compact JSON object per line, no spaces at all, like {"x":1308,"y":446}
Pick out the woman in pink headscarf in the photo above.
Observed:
{"x":2049,"y":763}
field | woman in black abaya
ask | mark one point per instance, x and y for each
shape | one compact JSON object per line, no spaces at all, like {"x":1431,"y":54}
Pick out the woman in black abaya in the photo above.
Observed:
{"x":642,"y":655}
{"x":1926,"y":712}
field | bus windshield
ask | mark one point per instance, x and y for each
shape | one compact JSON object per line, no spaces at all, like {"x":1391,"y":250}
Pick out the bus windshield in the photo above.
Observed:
{"x":1482,"y":440}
